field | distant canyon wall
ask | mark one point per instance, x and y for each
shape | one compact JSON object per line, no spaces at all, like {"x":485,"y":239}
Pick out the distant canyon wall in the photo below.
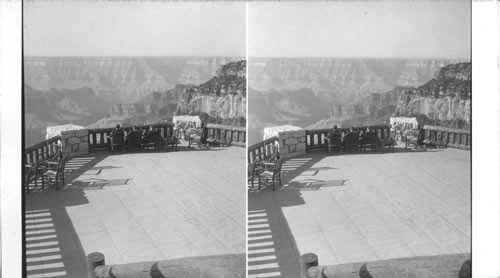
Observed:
{"x":127,"y":79}
{"x":225,"y":107}
{"x":446,"y":98}
{"x":345,"y":76}
{"x":223,"y":97}
{"x":447,"y":108}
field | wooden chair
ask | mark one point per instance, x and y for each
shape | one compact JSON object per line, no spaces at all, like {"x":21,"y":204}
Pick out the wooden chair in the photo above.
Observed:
{"x":153,"y":141}
{"x":55,"y":170}
{"x":117,"y":140}
{"x":410,"y":138}
{"x":352,"y":141}
{"x":172,"y":139}
{"x":194,"y":137}
{"x":334,"y":141}
{"x":32,"y":174}
{"x":134,"y":140}
{"x":371,"y":141}
{"x":272,"y":173}
{"x":389,"y":142}
{"x":254,"y":171}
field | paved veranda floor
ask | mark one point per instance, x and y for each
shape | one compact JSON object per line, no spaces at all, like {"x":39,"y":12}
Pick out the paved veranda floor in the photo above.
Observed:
{"x":361,"y":207}
{"x":138,"y":207}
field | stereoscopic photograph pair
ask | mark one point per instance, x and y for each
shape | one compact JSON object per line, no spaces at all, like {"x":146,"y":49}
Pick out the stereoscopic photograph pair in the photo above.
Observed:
{"x":246,"y":139}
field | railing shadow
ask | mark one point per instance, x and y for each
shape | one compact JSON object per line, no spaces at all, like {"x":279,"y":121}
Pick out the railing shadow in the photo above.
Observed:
{"x":52,"y":247}
{"x":272,"y":251}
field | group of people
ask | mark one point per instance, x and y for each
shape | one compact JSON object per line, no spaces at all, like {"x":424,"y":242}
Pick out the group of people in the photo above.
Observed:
{"x":351,"y":129}
{"x":420,"y":134}
{"x":203,"y":136}
{"x":119,"y":130}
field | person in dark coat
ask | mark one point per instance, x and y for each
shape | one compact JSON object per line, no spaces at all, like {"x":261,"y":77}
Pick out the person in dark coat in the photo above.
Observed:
{"x":204,"y":135}
{"x":421,"y":136}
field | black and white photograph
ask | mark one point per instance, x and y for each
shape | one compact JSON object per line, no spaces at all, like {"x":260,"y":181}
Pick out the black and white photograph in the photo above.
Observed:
{"x":359,"y":119}
{"x":249,"y":138}
{"x":134,"y":135}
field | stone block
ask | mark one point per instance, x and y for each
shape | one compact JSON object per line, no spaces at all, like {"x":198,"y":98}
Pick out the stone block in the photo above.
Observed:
{"x":284,"y":130}
{"x":283,"y":135}
{"x":300,"y":133}
{"x":74,"y":140}
{"x":291,"y":141}
{"x":83,"y":146}
{"x":66,"y":134}
{"x":75,"y":148}
{"x":66,"y":149}
{"x":82,"y":132}
{"x":301,"y":147}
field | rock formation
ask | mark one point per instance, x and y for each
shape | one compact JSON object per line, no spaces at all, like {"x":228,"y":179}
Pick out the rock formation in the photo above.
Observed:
{"x":121,"y":79}
{"x":445,"y":100}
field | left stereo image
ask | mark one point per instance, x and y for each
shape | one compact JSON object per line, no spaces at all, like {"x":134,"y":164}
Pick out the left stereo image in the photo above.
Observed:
{"x":134,"y":139}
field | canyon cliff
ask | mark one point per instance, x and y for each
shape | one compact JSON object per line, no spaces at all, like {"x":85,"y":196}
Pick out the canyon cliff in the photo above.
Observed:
{"x":222,"y":97}
{"x":121,"y":79}
{"x":445,"y":100}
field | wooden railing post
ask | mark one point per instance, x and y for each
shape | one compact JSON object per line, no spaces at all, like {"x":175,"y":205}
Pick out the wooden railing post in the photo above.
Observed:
{"x":309,"y":260}
{"x":93,"y":261}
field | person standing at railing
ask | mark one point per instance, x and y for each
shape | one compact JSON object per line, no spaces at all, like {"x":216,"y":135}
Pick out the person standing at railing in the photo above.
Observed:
{"x":421,"y":137}
{"x":204,"y":135}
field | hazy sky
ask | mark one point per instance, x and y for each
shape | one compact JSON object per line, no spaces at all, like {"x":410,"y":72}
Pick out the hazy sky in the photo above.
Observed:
{"x":120,"y":28}
{"x":399,"y":29}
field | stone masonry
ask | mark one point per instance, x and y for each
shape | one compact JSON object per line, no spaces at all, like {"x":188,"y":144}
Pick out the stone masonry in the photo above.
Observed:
{"x":75,"y":142}
{"x":291,"y":139}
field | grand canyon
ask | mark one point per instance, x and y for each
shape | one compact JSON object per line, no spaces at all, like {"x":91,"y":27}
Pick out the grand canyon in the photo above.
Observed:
{"x":98,"y":92}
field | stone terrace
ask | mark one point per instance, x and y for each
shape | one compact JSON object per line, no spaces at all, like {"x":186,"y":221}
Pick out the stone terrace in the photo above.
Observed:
{"x":137,"y":207}
{"x":361,"y":207}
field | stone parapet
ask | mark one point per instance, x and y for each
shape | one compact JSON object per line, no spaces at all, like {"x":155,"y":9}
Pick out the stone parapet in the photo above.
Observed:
{"x":75,"y":142}
{"x":291,"y":139}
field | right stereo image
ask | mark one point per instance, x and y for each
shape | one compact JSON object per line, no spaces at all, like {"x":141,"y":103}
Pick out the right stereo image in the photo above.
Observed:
{"x":359,"y":139}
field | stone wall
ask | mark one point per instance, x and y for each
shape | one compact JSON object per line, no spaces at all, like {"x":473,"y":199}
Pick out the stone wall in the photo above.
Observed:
{"x":291,"y":139}
{"x":75,"y":142}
